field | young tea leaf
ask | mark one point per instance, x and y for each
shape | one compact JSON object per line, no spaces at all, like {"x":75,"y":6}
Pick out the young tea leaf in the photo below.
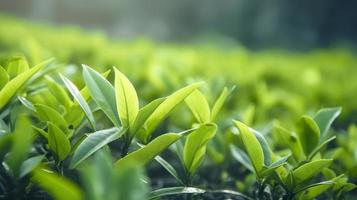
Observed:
{"x":147,"y":153}
{"x":252,"y":146}
{"x":58,"y":141}
{"x":291,"y":141}
{"x":126,"y":99}
{"x":10,"y":89}
{"x":57,"y":186}
{"x":195,"y":146}
{"x":102,"y":92}
{"x":163,"y":110}
{"x":93,"y":142}
{"x":80,"y":100}
{"x":308,"y":133}
{"x":199,"y":106}
{"x":325,"y":117}
{"x":310,"y":169}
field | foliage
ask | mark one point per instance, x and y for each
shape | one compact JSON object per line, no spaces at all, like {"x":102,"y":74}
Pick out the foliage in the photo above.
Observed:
{"x":130,"y":133}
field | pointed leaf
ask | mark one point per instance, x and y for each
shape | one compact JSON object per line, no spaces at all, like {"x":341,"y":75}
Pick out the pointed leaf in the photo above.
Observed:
{"x":46,"y":113}
{"x":252,"y":146}
{"x":57,"y":186}
{"x":10,"y":89}
{"x":80,"y":100}
{"x":147,"y":153}
{"x":241,"y":157}
{"x":169,"y":168}
{"x":291,"y":141}
{"x":93,"y":142}
{"x":220,"y":101}
{"x":126,"y":99}
{"x":58,"y":141}
{"x":308,"y":133}
{"x":163,"y":110}
{"x":314,"y":190}
{"x":30,"y":164}
{"x":325,"y":117}
{"x":102,"y":92}
{"x":59,"y":93}
{"x":199,"y":106}
{"x":310,"y":169}
{"x":195,"y":146}
{"x":144,"y":113}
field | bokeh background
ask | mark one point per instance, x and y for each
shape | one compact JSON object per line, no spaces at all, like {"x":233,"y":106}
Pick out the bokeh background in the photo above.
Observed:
{"x":292,"y":24}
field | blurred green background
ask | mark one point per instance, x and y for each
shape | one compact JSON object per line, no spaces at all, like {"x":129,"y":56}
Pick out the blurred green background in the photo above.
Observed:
{"x":293,"y":24}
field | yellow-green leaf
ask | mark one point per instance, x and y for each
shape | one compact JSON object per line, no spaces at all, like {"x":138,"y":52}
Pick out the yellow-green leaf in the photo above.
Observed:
{"x":163,"y":110}
{"x":10,"y":89}
{"x":252,"y":146}
{"x":310,"y":169}
{"x":57,"y":186}
{"x":126,"y":99}
{"x":199,"y":106}
{"x":4,"y":77}
{"x":147,"y":153}
{"x":195,"y":146}
{"x":308,"y":133}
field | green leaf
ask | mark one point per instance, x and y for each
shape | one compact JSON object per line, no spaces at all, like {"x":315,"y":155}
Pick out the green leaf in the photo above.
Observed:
{"x":241,"y":157}
{"x":199,"y":106}
{"x":126,"y":99}
{"x":320,"y":146}
{"x":102,"y":92}
{"x":291,"y":141}
{"x":57,"y":186}
{"x":163,"y":110}
{"x":195,"y":146}
{"x":220,"y":101}
{"x":58,"y":92}
{"x":4,"y":77}
{"x":93,"y":142}
{"x":30,"y":164}
{"x":80,"y":100}
{"x":144,"y":113}
{"x":252,"y":146}
{"x":275,"y":165}
{"x":58,"y":141}
{"x":46,"y":113}
{"x":5,"y":144}
{"x":174,"y":191}
{"x":169,"y":168}
{"x":10,"y":89}
{"x":308,"y":133}
{"x":26,"y":103}
{"x":16,"y":66}
{"x":325,"y":117}
{"x":310,"y":169}
{"x":265,"y":146}
{"x":314,"y":190}
{"x":147,"y":153}
{"x":85,"y":92}
{"x":22,"y":139}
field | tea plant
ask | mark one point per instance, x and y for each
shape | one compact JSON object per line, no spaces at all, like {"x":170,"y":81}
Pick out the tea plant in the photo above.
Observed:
{"x":94,"y":142}
{"x":99,"y":132}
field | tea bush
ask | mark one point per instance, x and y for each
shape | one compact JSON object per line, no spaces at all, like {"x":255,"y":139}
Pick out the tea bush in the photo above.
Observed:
{"x":171,"y":121}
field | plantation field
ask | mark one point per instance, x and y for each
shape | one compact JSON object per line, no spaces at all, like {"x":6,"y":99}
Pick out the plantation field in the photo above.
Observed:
{"x":98,"y":118}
